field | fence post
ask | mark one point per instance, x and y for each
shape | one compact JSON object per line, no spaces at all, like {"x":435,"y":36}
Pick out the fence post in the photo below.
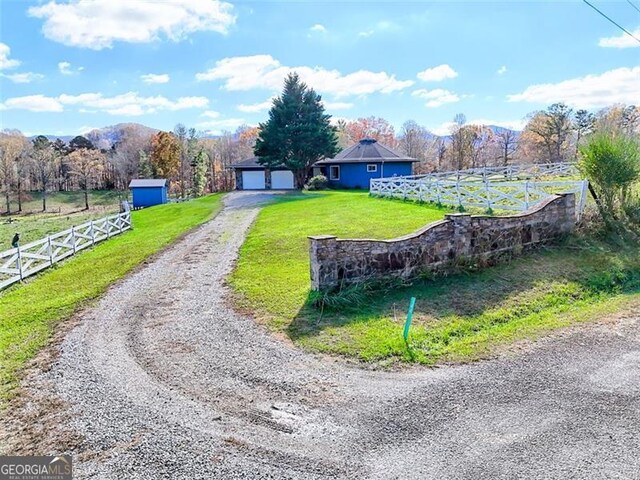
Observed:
{"x":486,"y":189}
{"x":106,"y":222}
{"x":73,"y":238}
{"x":93,"y":235}
{"x":583,"y":197}
{"x":50,"y":250}
{"x":120,"y":221}
{"x":526,"y":194}
{"x":20,"y":264}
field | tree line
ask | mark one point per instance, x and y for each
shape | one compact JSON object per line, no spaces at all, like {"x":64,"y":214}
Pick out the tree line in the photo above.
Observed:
{"x":196,"y":164}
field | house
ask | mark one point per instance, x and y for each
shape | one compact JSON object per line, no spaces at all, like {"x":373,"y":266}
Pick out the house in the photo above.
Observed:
{"x":250,"y":175}
{"x":148,"y":192}
{"x":354,"y":166}
{"x":351,"y":168}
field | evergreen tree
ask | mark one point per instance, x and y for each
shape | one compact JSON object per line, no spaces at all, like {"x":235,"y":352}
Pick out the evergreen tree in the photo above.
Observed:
{"x":199,"y":169}
{"x":298,"y":132}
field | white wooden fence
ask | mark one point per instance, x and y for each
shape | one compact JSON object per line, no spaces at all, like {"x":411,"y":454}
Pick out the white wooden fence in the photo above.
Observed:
{"x":504,"y":173}
{"x":494,"y":195}
{"x":17,"y":264}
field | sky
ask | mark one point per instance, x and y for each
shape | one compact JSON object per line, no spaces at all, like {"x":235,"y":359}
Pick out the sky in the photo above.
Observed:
{"x":68,"y":67}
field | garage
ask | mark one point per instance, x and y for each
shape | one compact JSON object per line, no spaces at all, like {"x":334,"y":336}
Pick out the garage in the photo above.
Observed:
{"x":282,"y":180}
{"x":253,"y":180}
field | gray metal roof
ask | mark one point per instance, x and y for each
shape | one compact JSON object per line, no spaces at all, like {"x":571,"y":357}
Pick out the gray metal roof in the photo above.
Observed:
{"x":148,"y":182}
{"x":367,"y":150}
{"x":253,"y":163}
{"x":248,"y":162}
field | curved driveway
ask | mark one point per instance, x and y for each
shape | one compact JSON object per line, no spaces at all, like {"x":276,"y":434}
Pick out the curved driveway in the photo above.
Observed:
{"x":164,"y":380}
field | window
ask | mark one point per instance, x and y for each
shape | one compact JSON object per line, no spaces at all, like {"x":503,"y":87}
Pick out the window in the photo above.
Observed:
{"x":334,"y":172}
{"x":372,"y":168}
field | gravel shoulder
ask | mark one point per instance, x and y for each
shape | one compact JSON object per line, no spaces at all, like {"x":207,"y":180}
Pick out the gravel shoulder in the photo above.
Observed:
{"x":162,"y":379}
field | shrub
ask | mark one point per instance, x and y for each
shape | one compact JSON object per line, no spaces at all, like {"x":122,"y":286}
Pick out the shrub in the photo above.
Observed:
{"x":611,"y":163}
{"x":319,"y":182}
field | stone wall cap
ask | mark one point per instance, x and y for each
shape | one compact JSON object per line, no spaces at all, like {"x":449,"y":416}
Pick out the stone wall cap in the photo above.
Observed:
{"x":321,"y":237}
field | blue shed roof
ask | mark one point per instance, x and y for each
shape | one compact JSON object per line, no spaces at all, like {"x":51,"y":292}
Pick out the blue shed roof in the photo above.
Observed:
{"x":148,"y":182}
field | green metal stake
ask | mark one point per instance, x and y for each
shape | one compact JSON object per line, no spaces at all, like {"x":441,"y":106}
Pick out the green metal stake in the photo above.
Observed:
{"x":407,"y":323}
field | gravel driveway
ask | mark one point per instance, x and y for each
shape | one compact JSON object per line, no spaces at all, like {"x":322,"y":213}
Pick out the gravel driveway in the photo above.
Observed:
{"x":162,"y":379}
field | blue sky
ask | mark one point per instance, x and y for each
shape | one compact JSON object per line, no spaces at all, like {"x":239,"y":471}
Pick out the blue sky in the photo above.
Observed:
{"x":67,"y":67}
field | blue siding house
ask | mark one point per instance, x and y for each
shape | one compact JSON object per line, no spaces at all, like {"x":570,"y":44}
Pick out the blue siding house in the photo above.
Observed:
{"x":356,"y":165}
{"x":148,"y":192}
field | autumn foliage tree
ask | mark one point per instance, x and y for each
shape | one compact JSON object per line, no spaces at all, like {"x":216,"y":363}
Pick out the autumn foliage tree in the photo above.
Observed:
{"x":371,"y":127}
{"x":298,"y":132}
{"x":165,"y":155}
{"x":87,"y":165}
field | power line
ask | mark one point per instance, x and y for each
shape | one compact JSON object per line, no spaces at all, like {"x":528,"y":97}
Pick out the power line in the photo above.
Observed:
{"x":612,"y":21}
{"x":633,"y":5}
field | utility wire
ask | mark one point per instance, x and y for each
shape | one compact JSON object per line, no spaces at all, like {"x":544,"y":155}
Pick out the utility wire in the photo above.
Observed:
{"x":612,"y":21}
{"x":633,"y":5}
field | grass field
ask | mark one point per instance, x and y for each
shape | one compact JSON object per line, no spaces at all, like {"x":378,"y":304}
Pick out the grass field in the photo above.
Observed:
{"x":64,"y":209}
{"x":458,"y":318}
{"x":29,"y":312}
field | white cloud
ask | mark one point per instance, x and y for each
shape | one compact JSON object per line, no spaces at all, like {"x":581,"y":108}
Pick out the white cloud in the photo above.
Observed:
{"x":26,"y":77}
{"x":97,"y":24}
{"x":318,"y":28}
{"x":380,"y":27}
{"x":65,"y":68}
{"x":217,"y":127}
{"x":126,"y":104}
{"x":437,"y":74}
{"x":34,"y":103}
{"x":621,"y":85}
{"x":265,"y":72}
{"x":210,"y":114}
{"x":621,"y":41}
{"x":437,"y":97}
{"x":155,"y":78}
{"x":256,"y":107}
{"x":502,"y":70}
{"x":5,"y":61}
{"x":337,"y":105}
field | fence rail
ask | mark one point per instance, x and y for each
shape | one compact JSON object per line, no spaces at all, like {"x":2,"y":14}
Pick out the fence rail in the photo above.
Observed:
{"x":494,"y":195}
{"x":503,"y":173}
{"x":19,"y":263}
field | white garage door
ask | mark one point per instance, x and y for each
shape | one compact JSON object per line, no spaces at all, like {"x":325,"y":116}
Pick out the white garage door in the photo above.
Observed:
{"x":253,"y":180}
{"x":282,"y":179}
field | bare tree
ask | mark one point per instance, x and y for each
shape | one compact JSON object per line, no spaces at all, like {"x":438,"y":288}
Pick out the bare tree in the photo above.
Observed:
{"x":12,"y":147}
{"x":87,"y":165}
{"x":414,"y":140}
{"x":44,"y":164}
{"x":507,"y":141}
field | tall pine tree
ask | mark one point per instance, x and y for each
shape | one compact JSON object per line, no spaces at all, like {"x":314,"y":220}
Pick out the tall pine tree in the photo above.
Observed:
{"x":298,"y":132}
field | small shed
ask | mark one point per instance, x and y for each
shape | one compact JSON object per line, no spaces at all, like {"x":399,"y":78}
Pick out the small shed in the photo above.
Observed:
{"x":147,"y":192}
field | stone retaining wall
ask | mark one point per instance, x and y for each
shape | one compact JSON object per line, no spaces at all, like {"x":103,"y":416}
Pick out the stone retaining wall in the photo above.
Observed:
{"x":439,"y":246}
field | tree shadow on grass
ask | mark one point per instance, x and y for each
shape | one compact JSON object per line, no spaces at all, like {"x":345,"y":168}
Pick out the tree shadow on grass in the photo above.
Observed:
{"x":595,"y":269}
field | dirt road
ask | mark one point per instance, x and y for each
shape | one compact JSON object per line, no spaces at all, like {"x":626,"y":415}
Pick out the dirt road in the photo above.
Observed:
{"x":161,"y":379}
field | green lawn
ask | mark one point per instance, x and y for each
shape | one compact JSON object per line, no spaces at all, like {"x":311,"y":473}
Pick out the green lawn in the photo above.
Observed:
{"x":64,"y":209}
{"x":458,"y":318}
{"x":29,"y":312}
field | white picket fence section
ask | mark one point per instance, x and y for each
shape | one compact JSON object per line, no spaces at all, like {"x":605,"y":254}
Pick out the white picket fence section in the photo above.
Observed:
{"x":19,"y":263}
{"x":494,"y":195}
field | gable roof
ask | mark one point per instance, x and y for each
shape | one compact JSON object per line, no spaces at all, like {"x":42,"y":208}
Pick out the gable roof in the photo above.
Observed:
{"x":148,"y":182}
{"x":367,"y":150}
